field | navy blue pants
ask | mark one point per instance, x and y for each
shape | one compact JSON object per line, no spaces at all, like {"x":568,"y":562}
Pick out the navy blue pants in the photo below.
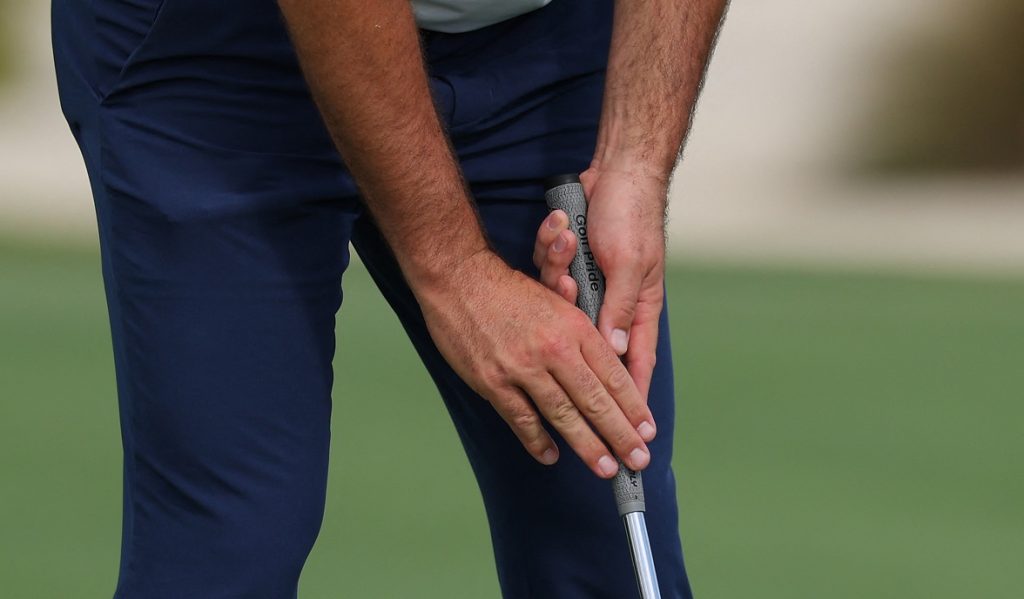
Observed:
{"x":225,"y":218}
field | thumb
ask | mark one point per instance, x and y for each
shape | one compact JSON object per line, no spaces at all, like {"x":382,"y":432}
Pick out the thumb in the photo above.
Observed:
{"x":619,"y":308}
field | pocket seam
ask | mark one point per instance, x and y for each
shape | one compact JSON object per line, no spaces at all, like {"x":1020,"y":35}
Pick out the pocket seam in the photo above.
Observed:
{"x":116,"y":84}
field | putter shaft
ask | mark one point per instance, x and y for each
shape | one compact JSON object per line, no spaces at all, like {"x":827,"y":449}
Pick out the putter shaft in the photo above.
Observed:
{"x":643,"y":561}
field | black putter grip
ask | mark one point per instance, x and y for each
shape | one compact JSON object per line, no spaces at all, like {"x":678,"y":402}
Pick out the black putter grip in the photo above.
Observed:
{"x":565,"y":193}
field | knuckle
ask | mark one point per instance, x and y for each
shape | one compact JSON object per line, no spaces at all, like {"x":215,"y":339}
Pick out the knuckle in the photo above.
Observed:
{"x":597,"y":407}
{"x":619,"y":382}
{"x":493,"y":378}
{"x":555,"y":346}
{"x":520,"y":365}
{"x":623,"y":438}
{"x":581,"y":321}
{"x":554,"y":259}
{"x":523,"y":419}
{"x":562,"y":410}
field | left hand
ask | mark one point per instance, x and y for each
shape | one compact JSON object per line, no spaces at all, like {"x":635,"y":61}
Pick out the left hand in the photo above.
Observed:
{"x":627,"y":235}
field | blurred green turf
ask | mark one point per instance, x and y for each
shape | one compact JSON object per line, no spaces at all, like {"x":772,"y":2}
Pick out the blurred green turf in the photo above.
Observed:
{"x":842,"y":436}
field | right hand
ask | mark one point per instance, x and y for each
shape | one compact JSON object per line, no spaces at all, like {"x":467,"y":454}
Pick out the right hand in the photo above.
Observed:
{"x":513,"y":340}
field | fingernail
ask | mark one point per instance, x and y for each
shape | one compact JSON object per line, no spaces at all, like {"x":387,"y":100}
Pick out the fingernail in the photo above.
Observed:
{"x":620,"y":341}
{"x":559,"y":244}
{"x":639,"y":458}
{"x":549,"y":457}
{"x":607,"y":466}
{"x":646,"y":430}
{"x":552,"y":221}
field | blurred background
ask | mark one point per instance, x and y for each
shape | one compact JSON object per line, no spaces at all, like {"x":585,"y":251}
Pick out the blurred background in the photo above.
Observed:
{"x":847,"y":303}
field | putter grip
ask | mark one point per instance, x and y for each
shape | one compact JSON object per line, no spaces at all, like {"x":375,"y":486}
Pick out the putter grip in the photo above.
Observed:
{"x":565,"y":193}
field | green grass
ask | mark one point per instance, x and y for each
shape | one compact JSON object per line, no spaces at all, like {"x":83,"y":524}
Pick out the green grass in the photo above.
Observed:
{"x":842,"y":436}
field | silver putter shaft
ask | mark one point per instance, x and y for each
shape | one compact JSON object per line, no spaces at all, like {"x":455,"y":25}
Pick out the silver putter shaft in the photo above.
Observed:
{"x":566,"y":193}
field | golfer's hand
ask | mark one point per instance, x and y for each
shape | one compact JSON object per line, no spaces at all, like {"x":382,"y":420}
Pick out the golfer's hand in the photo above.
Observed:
{"x":553,"y":251}
{"x":534,"y":356}
{"x":626,"y":228}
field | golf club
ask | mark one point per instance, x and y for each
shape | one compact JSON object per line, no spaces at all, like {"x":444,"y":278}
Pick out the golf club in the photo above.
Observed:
{"x":565,"y":192}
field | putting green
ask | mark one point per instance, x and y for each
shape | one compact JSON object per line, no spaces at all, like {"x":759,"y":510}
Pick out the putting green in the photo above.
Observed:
{"x":842,"y":436}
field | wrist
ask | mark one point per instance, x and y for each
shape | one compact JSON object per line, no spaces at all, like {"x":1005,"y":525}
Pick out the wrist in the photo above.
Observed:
{"x":647,"y":154}
{"x":436,"y":282}
{"x":633,"y":164}
{"x":432,"y":238}
{"x":642,"y":190}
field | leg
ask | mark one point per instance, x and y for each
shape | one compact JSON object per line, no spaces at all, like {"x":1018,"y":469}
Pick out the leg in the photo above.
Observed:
{"x":224,"y":333}
{"x":556,"y":532}
{"x":222,"y":269}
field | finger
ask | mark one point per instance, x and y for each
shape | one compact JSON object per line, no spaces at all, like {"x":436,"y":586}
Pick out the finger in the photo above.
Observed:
{"x":616,"y":316}
{"x":602,"y":412}
{"x":617,"y":380}
{"x":556,"y":222}
{"x":515,"y":409}
{"x":567,"y":288}
{"x":556,"y":264}
{"x":640,"y":361}
{"x":552,"y":401}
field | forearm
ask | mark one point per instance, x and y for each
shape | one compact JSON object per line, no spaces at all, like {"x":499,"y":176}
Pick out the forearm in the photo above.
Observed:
{"x":656,"y":64}
{"x":521,"y":347}
{"x":365,"y":68}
